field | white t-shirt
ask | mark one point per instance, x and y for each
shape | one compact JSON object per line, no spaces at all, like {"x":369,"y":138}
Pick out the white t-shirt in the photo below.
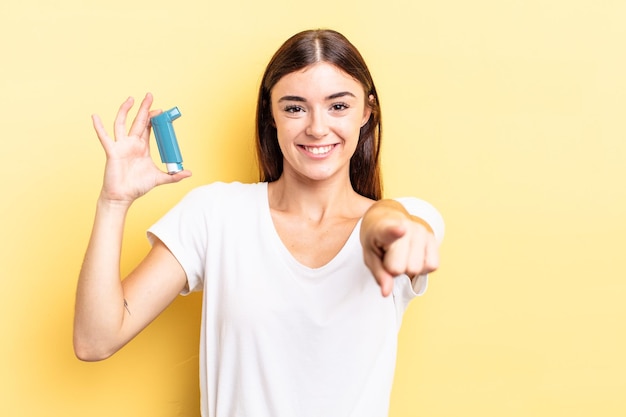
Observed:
{"x":280,"y":339}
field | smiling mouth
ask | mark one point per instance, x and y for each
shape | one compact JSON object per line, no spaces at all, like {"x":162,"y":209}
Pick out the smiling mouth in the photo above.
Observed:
{"x":319,"y":150}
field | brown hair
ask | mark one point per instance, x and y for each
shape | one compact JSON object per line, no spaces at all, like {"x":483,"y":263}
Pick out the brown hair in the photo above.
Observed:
{"x":298,"y":52}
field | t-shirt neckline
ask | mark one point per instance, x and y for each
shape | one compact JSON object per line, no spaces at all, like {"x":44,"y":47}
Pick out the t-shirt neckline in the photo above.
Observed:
{"x":288,"y":256}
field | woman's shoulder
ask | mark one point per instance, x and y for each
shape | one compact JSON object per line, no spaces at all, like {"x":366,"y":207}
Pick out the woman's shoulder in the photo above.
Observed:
{"x":227,"y":189}
{"x":225,"y":195}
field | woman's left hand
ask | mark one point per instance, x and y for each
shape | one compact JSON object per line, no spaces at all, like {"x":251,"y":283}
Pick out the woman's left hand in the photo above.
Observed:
{"x":395,"y":243}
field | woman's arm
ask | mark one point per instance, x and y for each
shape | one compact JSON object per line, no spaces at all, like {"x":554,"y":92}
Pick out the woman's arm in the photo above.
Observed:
{"x":395,"y":242}
{"x":109,"y":312}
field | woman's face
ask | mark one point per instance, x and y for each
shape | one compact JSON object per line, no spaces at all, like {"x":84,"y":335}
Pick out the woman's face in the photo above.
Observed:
{"x":318,"y":112}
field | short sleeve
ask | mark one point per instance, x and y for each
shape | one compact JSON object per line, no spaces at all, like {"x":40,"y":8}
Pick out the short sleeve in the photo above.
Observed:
{"x":184,"y":231}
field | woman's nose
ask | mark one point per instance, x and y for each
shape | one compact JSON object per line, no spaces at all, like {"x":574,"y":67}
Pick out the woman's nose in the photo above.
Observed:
{"x":318,"y":125}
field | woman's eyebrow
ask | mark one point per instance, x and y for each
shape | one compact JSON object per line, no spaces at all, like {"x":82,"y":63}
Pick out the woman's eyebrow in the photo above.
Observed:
{"x":339,"y":95}
{"x":292,"y":98}
{"x":330,"y":97}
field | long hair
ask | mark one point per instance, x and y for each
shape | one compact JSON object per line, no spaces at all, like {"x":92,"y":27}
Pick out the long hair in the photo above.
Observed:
{"x":299,"y":51}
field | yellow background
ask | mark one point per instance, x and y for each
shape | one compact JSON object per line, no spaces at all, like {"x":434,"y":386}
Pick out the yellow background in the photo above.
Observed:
{"x":507,"y":115}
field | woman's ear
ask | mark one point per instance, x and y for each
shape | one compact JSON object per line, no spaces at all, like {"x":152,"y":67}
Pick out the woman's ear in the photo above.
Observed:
{"x":367,"y":111}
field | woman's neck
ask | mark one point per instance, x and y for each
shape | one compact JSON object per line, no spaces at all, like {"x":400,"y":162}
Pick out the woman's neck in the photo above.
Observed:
{"x":316,"y":200}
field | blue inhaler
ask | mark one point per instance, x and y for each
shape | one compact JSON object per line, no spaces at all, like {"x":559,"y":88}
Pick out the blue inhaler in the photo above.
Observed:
{"x":166,"y":140}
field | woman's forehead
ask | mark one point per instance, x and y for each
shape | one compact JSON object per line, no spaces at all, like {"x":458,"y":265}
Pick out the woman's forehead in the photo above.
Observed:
{"x":319,"y":79}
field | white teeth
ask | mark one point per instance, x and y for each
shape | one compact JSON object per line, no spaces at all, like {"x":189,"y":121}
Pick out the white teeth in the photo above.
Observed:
{"x":319,"y":150}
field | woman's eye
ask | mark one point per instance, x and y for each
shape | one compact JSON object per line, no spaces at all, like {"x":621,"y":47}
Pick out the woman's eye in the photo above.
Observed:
{"x":339,"y":106}
{"x":293,"y":109}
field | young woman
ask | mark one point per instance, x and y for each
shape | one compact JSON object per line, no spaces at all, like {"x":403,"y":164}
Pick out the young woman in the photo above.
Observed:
{"x":306,"y":274}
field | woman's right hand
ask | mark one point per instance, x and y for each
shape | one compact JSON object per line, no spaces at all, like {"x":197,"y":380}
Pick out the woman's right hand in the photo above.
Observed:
{"x":130,"y":171}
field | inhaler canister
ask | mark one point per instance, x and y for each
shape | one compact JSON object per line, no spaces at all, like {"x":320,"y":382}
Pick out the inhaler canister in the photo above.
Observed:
{"x":166,"y":140}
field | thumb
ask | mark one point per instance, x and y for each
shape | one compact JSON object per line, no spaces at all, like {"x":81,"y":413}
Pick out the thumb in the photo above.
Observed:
{"x":164,"y":178}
